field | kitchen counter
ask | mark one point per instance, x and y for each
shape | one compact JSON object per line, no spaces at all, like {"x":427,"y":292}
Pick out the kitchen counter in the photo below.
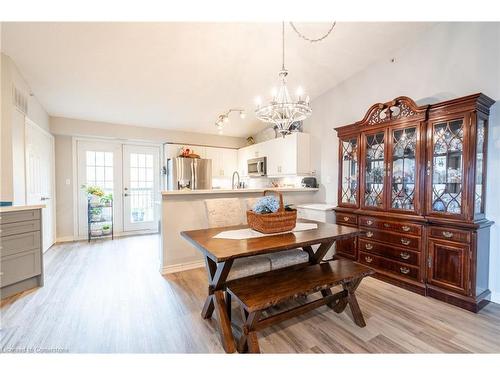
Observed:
{"x":183,"y":210}
{"x":235,"y":191}
{"x":20,"y":208}
{"x":317,"y":206}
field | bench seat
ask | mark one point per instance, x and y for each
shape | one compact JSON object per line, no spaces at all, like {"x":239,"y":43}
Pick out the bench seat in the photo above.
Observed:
{"x":259,"y":292}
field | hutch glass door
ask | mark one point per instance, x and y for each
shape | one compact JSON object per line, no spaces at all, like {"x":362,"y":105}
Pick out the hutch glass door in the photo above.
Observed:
{"x":374,"y":170}
{"x":403,"y":161}
{"x":447,"y":167}
{"x":349,"y":159}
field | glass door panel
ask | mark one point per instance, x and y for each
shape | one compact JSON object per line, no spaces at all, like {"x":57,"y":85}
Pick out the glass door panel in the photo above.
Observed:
{"x":349,"y":171}
{"x":480,"y":160}
{"x":403,"y":179}
{"x":374,"y":170}
{"x":447,"y":167}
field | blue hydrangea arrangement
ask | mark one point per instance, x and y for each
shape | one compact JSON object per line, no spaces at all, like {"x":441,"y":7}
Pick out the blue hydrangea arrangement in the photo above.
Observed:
{"x":266,"y":205}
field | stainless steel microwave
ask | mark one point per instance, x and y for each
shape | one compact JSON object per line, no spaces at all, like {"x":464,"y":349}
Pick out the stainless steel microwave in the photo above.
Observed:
{"x":257,"y":167}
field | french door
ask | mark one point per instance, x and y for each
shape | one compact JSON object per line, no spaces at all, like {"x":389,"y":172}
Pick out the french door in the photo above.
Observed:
{"x":140,"y":187}
{"x":39,"y":160}
{"x":130,"y":173}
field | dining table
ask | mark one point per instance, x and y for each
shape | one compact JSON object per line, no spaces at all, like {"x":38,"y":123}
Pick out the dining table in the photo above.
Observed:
{"x":220,"y":253}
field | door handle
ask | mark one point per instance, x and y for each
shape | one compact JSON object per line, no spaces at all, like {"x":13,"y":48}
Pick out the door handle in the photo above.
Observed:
{"x":126,"y":194}
{"x":44,"y":198}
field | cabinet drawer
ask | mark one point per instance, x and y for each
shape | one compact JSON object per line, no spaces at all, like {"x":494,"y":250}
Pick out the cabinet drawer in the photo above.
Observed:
{"x":19,"y":243}
{"x":388,"y":265}
{"x":445,"y":233}
{"x":401,"y":255}
{"x":394,"y":226}
{"x":19,"y":267}
{"x":401,"y":240}
{"x":19,"y":227}
{"x":347,"y":248}
{"x":15,"y":216}
{"x":346,"y":219}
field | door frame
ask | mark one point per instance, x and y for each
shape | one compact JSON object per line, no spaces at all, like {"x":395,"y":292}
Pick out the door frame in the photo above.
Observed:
{"x":52,"y":201}
{"x":74,"y":151}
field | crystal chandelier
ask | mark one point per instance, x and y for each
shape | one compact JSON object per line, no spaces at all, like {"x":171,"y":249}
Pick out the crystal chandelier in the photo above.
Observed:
{"x":282,"y":112}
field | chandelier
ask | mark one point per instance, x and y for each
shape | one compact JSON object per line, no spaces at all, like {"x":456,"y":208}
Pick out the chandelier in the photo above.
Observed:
{"x":283,"y":112}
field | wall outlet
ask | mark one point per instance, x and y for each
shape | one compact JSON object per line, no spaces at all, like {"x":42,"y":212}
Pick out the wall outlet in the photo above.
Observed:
{"x":68,"y":181}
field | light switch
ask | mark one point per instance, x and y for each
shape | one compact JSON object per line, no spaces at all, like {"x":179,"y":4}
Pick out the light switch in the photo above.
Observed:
{"x":68,"y":181}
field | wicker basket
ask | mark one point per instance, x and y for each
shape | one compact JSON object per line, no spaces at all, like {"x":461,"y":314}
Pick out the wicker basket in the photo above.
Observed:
{"x":280,"y":221}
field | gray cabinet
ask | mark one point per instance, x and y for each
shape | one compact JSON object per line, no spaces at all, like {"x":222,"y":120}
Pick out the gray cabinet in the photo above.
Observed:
{"x":21,"y":258}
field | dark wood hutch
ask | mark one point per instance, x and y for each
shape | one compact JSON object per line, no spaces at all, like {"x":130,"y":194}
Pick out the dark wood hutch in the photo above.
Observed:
{"x":414,"y":177}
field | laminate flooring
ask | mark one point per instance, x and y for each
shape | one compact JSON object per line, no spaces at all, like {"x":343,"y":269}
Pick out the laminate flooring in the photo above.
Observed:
{"x":109,"y":297}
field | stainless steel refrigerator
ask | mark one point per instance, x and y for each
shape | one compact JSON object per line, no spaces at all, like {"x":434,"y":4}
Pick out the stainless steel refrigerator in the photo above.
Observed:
{"x":189,"y":173}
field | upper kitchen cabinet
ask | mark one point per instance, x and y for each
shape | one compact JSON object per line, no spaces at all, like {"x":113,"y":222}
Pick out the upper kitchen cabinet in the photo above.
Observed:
{"x":224,"y":161}
{"x":289,"y":156}
{"x":172,"y":150}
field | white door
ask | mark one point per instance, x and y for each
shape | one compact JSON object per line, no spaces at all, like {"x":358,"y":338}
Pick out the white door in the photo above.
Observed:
{"x":99,"y":164}
{"x":140,"y":187}
{"x":40,"y":177}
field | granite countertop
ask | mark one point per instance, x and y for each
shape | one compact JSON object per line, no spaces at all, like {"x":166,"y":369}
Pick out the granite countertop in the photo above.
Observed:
{"x":21,"y":207}
{"x":234,"y":191}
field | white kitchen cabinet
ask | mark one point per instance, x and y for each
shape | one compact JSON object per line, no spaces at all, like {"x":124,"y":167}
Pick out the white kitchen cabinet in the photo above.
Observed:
{"x":289,"y":156}
{"x":224,"y":161}
{"x":174,"y":150}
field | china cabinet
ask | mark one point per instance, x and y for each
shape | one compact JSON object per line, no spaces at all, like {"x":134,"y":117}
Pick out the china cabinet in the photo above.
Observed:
{"x":414,"y":178}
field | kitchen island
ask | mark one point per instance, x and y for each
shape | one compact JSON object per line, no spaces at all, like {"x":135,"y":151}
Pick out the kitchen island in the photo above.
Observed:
{"x":185,"y":210}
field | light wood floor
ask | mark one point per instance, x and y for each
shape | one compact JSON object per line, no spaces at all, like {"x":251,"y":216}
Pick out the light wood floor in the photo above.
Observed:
{"x":109,"y":297}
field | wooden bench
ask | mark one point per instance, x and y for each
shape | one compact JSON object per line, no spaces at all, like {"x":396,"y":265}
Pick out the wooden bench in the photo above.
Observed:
{"x":259,"y":292}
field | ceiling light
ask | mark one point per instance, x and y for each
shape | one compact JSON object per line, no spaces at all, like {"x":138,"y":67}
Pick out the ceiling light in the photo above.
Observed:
{"x":224,"y":118}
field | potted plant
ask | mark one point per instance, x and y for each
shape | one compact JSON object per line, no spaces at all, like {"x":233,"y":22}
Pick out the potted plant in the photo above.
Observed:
{"x":96,"y":214}
{"x":107,"y":199}
{"x":106,"y":229}
{"x":96,"y":232}
{"x":94,"y":194}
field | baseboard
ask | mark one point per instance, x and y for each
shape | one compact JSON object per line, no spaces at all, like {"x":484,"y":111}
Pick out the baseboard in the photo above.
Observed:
{"x":182,"y":267}
{"x":65,"y":239}
{"x":495,"y":297}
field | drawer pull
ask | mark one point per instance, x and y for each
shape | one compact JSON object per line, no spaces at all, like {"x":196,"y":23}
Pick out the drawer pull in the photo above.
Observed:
{"x":386,"y":225}
{"x":346,"y":218}
{"x":405,"y":255}
{"x":405,"y":241}
{"x":404,"y":270}
{"x":369,"y":222}
{"x":369,"y":234}
{"x":368,"y":246}
{"x":447,"y":234}
{"x":405,"y":228}
{"x":369,"y":259}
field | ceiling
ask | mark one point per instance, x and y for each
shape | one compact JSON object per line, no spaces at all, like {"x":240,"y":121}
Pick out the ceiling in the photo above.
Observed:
{"x":183,"y":75}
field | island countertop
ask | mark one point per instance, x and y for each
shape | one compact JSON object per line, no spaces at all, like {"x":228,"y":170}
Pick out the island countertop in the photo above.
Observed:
{"x":233,"y":191}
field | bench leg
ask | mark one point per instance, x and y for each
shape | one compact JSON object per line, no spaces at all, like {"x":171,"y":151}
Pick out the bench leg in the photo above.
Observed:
{"x":352,"y":301}
{"x":228,"y":305}
{"x":248,"y":340}
{"x":334,"y":305}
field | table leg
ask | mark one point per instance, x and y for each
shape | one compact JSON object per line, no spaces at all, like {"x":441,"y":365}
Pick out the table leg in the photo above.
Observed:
{"x":317,"y":257}
{"x":217,"y":275}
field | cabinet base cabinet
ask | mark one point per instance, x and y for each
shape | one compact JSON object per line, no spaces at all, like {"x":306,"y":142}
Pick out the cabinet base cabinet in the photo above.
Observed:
{"x":473,"y":304}
{"x":22,"y":286}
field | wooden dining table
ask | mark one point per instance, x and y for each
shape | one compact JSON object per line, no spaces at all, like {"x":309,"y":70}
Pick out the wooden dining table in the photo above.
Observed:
{"x":220,"y":254}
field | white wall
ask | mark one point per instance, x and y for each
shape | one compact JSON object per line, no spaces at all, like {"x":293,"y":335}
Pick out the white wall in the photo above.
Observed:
{"x":12,"y":188}
{"x":449,"y":61}
{"x":65,"y":129}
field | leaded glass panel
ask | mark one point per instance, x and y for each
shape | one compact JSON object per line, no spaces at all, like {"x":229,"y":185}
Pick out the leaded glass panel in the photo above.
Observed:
{"x":374,"y":170}
{"x":447,"y":167}
{"x":349,"y":171}
{"x":404,"y":143}
{"x":480,"y":139}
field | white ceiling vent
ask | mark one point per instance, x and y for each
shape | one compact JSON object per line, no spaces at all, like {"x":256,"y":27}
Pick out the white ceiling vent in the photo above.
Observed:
{"x":20,"y":100}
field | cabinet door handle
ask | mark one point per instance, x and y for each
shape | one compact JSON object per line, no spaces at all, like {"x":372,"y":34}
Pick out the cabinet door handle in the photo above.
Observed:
{"x":369,"y":222}
{"x":346,"y":218}
{"x":368,"y":246}
{"x":404,"y":255}
{"x":386,"y":225}
{"x":369,"y":234}
{"x":447,"y":234}
{"x":405,"y":241}
{"x":369,"y":259}
{"x":405,"y":228}
{"x":428,"y":168}
{"x":404,"y":270}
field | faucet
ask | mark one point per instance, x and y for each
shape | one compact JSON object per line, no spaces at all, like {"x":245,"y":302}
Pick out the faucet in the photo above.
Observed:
{"x":232,"y":180}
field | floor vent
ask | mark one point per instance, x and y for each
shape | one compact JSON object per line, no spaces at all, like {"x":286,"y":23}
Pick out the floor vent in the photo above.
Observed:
{"x":20,"y":100}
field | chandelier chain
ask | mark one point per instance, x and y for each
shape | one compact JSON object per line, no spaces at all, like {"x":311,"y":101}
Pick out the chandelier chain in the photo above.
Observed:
{"x":310,"y":39}
{"x":283,"y":41}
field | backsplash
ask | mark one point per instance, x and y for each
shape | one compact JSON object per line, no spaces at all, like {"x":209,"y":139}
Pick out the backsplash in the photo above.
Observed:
{"x":258,"y":182}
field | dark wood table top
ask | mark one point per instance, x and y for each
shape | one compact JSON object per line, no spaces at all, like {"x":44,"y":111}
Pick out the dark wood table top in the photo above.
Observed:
{"x":221,"y":250}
